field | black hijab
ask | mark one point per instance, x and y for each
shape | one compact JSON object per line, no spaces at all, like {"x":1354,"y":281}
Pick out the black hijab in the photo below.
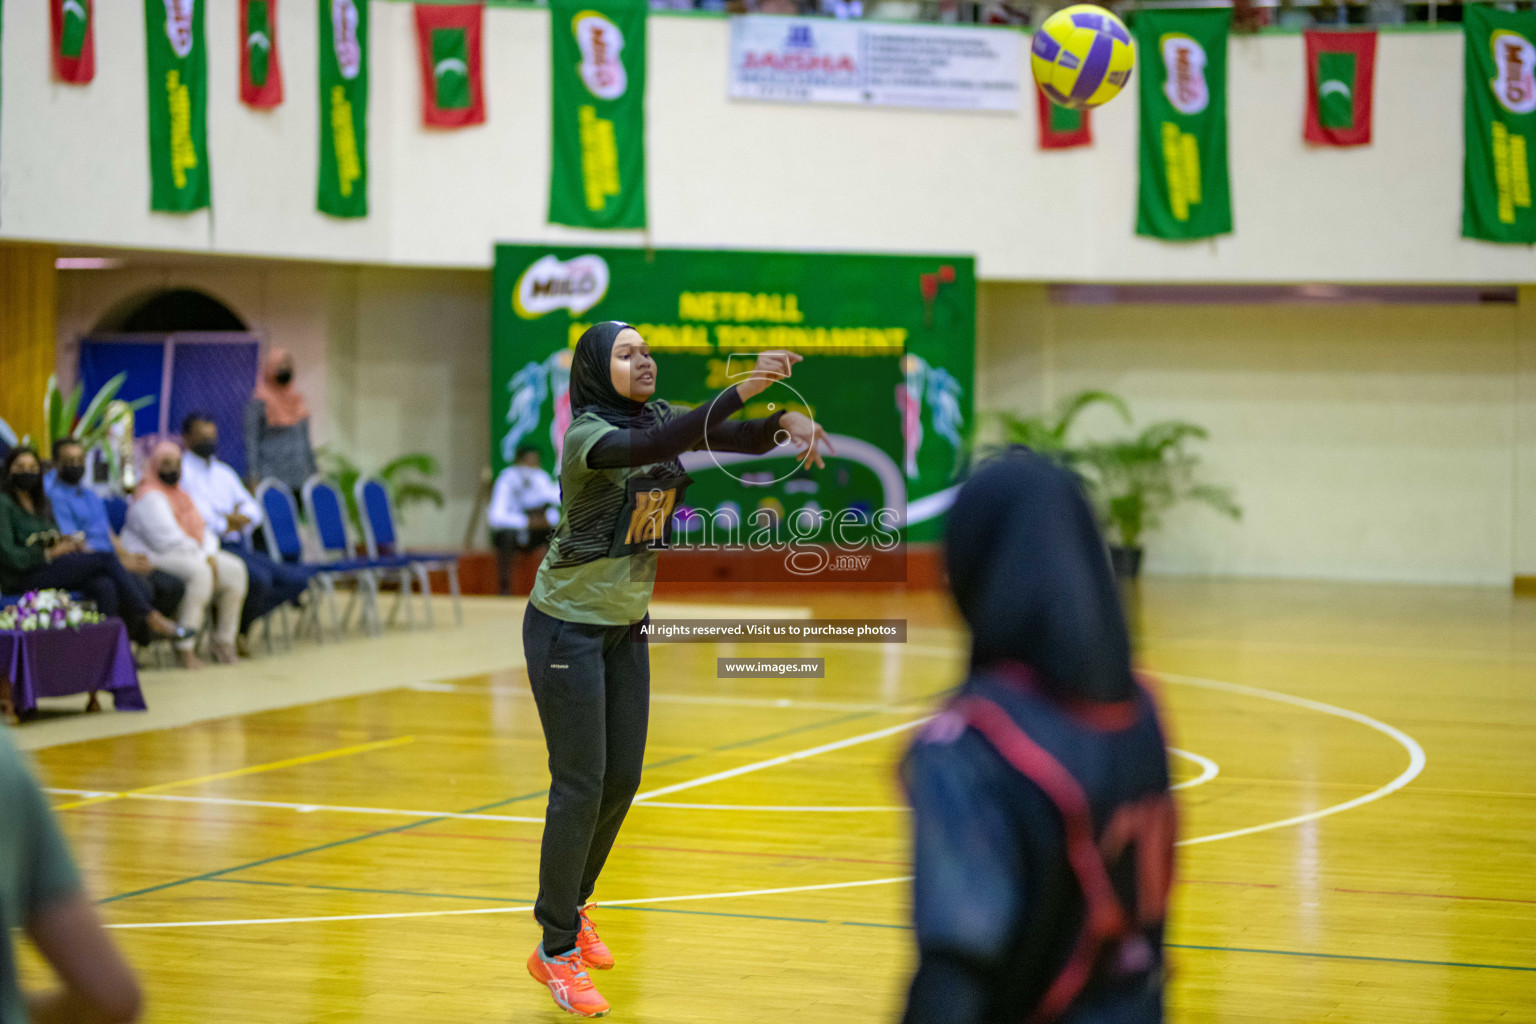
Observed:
{"x":592,"y":387}
{"x":1030,"y":573}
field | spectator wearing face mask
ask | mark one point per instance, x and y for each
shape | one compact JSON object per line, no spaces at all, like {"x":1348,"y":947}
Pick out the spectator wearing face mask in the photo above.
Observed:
{"x":78,"y":509}
{"x":277,"y":426}
{"x":234,"y":515}
{"x":36,"y":555}
{"x":164,"y":524}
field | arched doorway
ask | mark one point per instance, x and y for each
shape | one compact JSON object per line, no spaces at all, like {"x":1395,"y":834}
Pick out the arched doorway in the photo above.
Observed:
{"x":185,"y":350}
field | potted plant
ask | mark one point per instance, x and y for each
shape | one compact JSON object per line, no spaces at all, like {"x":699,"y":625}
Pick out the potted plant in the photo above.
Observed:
{"x":1047,"y":434}
{"x":1135,"y":480}
{"x":405,"y":478}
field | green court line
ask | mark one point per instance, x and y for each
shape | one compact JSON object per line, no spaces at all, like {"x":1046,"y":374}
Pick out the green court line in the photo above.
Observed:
{"x":874,"y":924}
{"x":1348,"y":956}
{"x":211,"y":875}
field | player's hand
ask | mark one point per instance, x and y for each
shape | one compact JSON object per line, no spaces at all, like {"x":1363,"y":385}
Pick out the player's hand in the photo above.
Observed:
{"x":804,"y":432}
{"x":771,"y":366}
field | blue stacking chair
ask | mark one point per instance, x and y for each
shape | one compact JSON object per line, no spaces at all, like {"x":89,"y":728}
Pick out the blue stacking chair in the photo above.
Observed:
{"x":382,"y":540}
{"x":284,"y":543}
{"x":328,"y":514}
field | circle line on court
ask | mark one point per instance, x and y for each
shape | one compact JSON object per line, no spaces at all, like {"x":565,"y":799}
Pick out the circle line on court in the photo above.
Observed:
{"x":1416,"y":763}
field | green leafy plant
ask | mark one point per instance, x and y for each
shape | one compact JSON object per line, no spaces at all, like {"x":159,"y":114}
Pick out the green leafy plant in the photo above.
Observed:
{"x":407,"y":479}
{"x":1135,"y":480}
{"x":1046,"y":434}
{"x":64,"y":419}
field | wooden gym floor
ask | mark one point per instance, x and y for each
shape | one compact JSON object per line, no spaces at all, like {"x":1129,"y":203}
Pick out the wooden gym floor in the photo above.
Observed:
{"x":1358,"y":773}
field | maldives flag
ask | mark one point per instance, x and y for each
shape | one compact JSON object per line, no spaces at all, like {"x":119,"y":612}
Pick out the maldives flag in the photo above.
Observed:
{"x":261,"y":76}
{"x":448,"y":41}
{"x":1341,"y":68}
{"x":1060,"y":127}
{"x":74,"y":40}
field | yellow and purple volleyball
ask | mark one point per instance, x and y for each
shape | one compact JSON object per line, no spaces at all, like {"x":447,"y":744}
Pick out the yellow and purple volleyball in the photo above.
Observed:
{"x":1082,"y":56}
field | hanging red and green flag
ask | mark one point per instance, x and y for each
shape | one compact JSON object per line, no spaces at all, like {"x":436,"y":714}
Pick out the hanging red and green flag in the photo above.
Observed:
{"x":1061,"y":127}
{"x":1500,"y":125}
{"x":73,"y":24}
{"x":597,"y":175}
{"x":448,"y":45}
{"x":343,"y":190}
{"x":1341,"y":74}
{"x":1184,"y":190}
{"x":261,"y":74}
{"x":178,"y":105}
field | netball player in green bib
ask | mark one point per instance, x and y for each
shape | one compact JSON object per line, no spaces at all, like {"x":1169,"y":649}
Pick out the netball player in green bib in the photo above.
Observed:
{"x":620,"y":480}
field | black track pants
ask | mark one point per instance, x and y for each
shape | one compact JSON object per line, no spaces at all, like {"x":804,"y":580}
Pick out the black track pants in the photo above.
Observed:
{"x":592,"y":685}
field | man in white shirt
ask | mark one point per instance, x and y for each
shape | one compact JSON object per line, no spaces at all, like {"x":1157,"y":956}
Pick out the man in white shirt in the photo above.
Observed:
{"x":233,"y":514}
{"x":525,"y":507}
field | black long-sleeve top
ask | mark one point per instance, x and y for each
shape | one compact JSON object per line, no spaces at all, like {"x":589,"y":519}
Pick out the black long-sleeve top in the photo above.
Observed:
{"x":708,"y":425}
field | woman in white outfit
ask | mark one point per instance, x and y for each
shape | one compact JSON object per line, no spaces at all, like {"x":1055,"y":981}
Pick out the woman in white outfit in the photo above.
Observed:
{"x":163,"y":523}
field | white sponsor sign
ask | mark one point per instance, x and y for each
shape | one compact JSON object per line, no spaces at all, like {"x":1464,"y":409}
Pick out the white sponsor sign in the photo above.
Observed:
{"x":816,"y":60}
{"x":550,"y":284}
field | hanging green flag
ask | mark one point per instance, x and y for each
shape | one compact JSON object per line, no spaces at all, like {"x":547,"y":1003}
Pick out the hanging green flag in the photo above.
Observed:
{"x":1500,"y":124}
{"x":1184,"y":191}
{"x":178,"y":105}
{"x":597,"y":177}
{"x":343,"y":108}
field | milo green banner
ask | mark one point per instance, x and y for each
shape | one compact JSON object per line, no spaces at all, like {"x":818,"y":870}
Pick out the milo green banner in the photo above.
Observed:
{"x":343,"y":108}
{"x":1501,"y":125}
{"x":178,"y":105}
{"x":889,"y":347}
{"x":1184,"y":191}
{"x":597,"y":175}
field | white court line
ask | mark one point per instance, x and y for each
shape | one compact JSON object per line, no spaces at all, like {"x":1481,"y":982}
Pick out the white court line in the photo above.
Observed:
{"x":800,"y":755}
{"x":521,"y":910}
{"x":224,"y":801}
{"x":1208,"y":771}
{"x":1416,"y":758}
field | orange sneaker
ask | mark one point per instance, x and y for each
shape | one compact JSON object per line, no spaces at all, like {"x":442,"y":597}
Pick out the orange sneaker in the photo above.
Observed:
{"x":568,"y":982}
{"x":594,"y":953}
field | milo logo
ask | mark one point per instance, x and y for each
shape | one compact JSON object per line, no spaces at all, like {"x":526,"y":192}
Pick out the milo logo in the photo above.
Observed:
{"x":1514,"y":58}
{"x":600,"y":42}
{"x":550,"y":284}
{"x":349,"y":52}
{"x":178,"y":25}
{"x":1184,"y":73}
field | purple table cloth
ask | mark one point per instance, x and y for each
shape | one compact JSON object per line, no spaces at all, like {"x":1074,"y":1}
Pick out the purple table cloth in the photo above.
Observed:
{"x":59,"y":662}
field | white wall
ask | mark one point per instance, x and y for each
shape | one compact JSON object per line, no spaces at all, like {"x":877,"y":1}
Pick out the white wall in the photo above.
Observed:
{"x":73,"y":166}
{"x":1364,"y":442}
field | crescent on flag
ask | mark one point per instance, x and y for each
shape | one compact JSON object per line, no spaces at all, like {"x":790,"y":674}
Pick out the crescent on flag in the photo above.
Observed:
{"x":1334,"y":85}
{"x":258,"y":40}
{"x":74,"y":7}
{"x":450,"y":64}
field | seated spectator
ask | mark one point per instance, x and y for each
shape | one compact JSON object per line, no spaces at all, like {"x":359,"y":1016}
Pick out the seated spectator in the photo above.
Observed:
{"x":78,"y":509}
{"x":234,"y":515}
{"x":525,"y":507}
{"x":41,"y":893}
{"x":163,"y":523}
{"x":35,"y":555}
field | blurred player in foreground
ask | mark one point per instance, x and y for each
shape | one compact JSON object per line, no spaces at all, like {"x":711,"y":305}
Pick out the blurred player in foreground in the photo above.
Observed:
{"x":1043,"y":822}
{"x":40,"y":892}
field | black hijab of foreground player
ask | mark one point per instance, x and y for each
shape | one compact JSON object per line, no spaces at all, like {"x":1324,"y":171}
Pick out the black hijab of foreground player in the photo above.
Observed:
{"x":592,"y":387}
{"x":1042,"y":821}
{"x":1028,"y":569}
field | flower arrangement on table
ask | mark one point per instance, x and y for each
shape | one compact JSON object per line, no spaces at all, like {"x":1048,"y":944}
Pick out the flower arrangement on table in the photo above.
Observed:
{"x":46,"y":609}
